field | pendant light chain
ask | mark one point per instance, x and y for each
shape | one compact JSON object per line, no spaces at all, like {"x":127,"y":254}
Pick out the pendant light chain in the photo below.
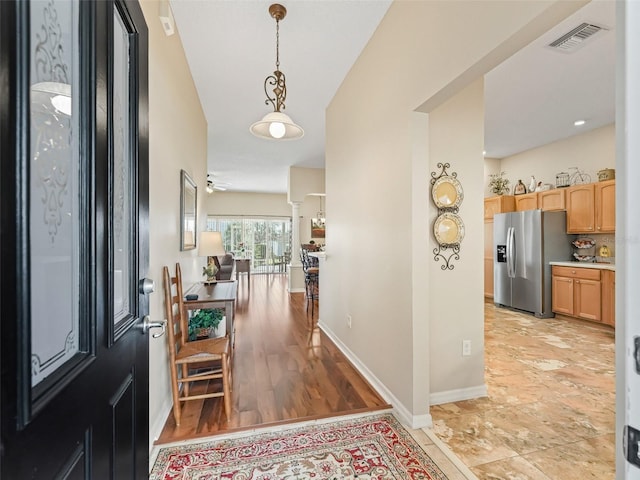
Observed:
{"x":277,"y":80}
{"x":277,"y":44}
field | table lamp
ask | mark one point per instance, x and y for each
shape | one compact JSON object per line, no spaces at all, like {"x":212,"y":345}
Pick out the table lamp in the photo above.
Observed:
{"x":211,"y":246}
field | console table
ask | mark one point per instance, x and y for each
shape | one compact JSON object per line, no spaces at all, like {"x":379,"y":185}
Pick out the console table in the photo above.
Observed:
{"x":221,"y":294}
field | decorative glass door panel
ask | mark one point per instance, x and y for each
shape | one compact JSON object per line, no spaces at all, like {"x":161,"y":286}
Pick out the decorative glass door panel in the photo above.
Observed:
{"x":122,"y":187}
{"x":57,"y":197}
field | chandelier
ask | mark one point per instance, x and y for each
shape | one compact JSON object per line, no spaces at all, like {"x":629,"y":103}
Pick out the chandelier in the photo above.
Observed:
{"x":276,"y":125}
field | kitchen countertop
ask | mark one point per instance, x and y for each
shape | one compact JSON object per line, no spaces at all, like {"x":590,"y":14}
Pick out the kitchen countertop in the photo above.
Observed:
{"x":601,"y":266}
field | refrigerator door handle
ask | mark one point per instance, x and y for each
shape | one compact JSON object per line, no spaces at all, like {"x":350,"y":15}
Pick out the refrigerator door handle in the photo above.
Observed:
{"x":510,"y":253}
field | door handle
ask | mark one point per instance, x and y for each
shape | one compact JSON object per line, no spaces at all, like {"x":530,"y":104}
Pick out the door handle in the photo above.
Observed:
{"x":511,"y":266}
{"x":147,"y":325}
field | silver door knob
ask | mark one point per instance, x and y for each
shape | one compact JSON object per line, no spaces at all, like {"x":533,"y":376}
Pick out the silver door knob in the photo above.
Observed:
{"x":146,"y":286}
{"x":147,"y":325}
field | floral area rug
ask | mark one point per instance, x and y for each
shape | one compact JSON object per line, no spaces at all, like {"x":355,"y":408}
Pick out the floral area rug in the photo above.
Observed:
{"x":367,"y":448}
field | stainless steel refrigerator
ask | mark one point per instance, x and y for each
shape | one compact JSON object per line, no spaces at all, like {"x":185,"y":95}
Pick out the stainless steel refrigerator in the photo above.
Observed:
{"x":523,"y":244}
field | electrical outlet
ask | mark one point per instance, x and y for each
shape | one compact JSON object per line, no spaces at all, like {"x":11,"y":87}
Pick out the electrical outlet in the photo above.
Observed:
{"x":466,"y":348}
{"x":349,"y":321}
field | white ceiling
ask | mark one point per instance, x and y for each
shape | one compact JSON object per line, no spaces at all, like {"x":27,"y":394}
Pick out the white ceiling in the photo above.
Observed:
{"x":535,"y":96}
{"x":532,"y":99}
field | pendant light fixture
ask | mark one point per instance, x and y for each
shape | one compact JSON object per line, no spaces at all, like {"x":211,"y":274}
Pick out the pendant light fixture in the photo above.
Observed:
{"x":276,"y":125}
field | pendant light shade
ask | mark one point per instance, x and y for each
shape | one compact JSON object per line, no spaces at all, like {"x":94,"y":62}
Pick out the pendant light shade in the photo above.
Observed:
{"x":276,"y":125}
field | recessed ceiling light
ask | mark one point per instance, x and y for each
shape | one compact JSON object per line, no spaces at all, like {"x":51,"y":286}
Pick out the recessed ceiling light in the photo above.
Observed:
{"x":484,"y":152}
{"x":579,"y":123}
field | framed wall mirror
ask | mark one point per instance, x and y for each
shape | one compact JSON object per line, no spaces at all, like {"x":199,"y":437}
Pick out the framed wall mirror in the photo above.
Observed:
{"x":188,"y":211}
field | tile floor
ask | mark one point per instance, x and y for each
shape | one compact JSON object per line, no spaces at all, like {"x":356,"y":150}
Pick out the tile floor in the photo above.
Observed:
{"x":550,"y":413}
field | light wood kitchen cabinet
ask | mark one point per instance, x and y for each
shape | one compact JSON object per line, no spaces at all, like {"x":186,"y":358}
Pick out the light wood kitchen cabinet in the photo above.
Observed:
{"x":492,"y":205}
{"x":588,"y":299}
{"x":609,"y":297}
{"x":581,"y":209}
{"x":577,"y":292}
{"x":498,"y":204}
{"x":591,"y":208}
{"x":605,"y":201}
{"x":562,"y":295}
{"x":551,"y":199}
{"x":528,"y":201}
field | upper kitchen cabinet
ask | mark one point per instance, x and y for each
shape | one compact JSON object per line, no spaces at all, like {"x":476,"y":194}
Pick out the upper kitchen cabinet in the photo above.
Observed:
{"x":528,"y":201}
{"x":591,"y":208}
{"x":606,"y":206}
{"x":581,"y":208}
{"x":498,"y":204}
{"x":551,"y":199}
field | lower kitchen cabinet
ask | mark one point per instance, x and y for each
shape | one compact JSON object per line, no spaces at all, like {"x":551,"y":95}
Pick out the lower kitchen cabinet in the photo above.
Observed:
{"x":588,"y":300}
{"x":577,"y":292}
{"x":609,"y":297}
{"x":562,"y":295}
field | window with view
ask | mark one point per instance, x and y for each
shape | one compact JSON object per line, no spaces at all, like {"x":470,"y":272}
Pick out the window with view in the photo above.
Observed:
{"x":265,"y":241}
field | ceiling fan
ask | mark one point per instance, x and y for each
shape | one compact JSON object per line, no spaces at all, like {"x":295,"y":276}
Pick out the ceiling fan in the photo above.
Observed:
{"x":213,"y":184}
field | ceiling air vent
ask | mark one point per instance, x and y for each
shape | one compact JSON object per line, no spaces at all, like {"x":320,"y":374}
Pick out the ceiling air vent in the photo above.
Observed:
{"x":576,"y":38}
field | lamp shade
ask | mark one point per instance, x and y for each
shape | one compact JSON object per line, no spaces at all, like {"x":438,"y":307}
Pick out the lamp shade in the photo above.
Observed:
{"x":211,"y":245}
{"x":277,"y":126}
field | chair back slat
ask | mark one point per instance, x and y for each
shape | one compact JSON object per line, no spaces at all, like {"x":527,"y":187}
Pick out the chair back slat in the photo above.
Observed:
{"x":169,"y":302}
{"x":174,"y":310}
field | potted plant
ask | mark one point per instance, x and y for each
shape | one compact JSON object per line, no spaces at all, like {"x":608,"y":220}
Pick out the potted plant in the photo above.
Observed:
{"x":204,"y":322}
{"x":498,"y":184}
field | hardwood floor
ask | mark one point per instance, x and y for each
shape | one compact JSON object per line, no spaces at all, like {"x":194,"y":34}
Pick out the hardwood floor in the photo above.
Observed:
{"x":284,"y":369}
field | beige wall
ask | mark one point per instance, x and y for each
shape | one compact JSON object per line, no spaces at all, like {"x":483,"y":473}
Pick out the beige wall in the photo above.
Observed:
{"x":491,"y":166}
{"x":377,"y":243}
{"x":265,"y":204}
{"x":248,"y":204}
{"x":456,"y":136}
{"x":590,"y":151}
{"x":303,"y":181}
{"x":177,"y":140}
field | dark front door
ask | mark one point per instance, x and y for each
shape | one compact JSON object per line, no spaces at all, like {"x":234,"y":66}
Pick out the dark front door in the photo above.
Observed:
{"x":74,"y":241}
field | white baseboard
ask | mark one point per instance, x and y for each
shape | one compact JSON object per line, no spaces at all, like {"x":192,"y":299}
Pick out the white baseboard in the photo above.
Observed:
{"x":400,"y":411}
{"x":296,"y":290}
{"x":155,"y":429}
{"x":458,"y":395}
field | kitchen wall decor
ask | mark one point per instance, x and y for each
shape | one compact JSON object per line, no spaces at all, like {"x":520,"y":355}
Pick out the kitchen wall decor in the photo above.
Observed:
{"x":448,"y":228}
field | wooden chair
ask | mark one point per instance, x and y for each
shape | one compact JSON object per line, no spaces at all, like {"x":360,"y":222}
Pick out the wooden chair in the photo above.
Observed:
{"x":195,"y":361}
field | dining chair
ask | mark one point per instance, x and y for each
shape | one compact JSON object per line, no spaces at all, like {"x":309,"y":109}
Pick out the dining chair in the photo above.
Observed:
{"x":311,"y":278}
{"x":200,"y":360}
